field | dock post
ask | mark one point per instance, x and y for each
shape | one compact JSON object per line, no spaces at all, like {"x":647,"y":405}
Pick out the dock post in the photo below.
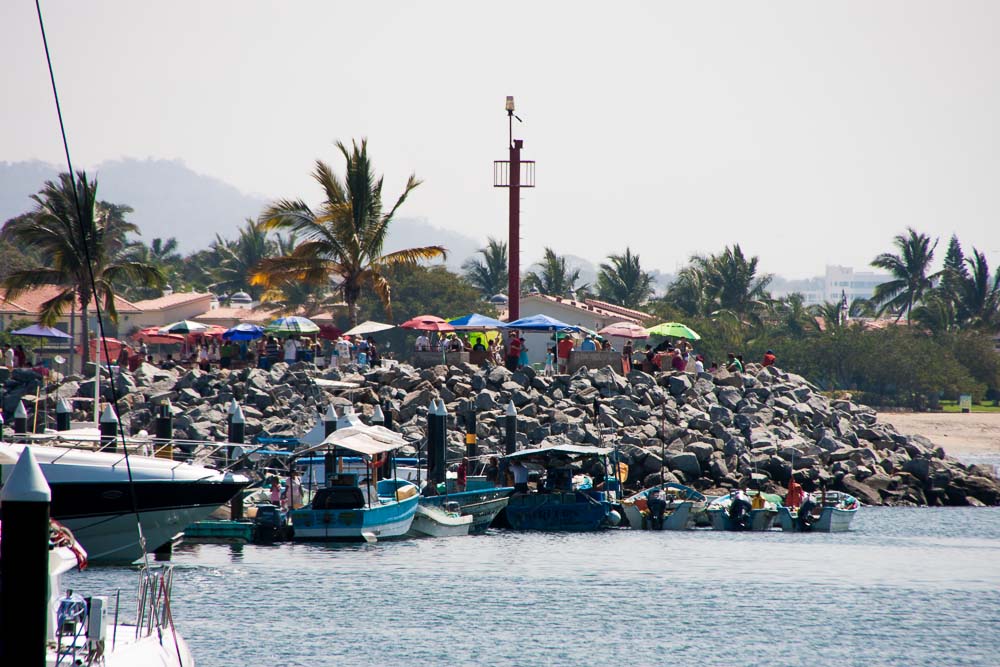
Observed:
{"x":471,"y":443}
{"x":440,"y":444}
{"x":109,"y":429}
{"x":24,"y":551}
{"x":329,"y":427}
{"x":64,"y":413}
{"x":510,"y":429}
{"x":387,"y":411}
{"x":237,"y":436}
{"x":20,"y":419}
{"x":164,"y":427}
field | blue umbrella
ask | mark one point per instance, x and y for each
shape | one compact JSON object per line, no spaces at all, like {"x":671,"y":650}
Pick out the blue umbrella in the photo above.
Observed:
{"x":476,"y":321}
{"x":540,"y":323}
{"x":244,"y":332}
{"x":39,"y":331}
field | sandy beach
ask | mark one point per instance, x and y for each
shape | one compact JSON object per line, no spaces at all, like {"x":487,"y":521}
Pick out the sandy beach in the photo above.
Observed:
{"x":972,"y":433}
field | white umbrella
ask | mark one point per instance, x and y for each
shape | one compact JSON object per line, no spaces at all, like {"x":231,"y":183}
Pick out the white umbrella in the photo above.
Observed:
{"x":368,"y":327}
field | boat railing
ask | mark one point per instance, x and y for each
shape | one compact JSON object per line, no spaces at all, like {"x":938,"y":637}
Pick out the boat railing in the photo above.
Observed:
{"x":153,"y":605}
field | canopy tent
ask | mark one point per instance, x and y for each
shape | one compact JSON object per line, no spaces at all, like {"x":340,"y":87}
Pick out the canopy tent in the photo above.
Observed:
{"x":674,"y":329}
{"x":368,"y":327}
{"x":38,"y":331}
{"x":624,"y":330}
{"x":540,"y":323}
{"x":427,"y":323}
{"x":114,"y":348}
{"x":244,"y":331}
{"x":152,"y":335}
{"x":476,"y":322}
{"x":293,"y":324}
{"x":565,"y":450}
{"x":183,"y":327}
{"x":366,"y":440}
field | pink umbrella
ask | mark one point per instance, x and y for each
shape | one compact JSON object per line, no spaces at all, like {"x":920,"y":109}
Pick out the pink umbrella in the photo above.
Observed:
{"x":427,"y":323}
{"x":624,"y":330}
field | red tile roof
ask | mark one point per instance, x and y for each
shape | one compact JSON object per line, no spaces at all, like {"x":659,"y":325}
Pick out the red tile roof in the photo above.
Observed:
{"x":621,"y":310}
{"x":171,"y":300}
{"x":30,"y":302}
{"x":590,"y":308}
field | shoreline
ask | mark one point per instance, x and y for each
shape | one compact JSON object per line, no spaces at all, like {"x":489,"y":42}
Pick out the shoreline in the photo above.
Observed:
{"x":974,"y":433}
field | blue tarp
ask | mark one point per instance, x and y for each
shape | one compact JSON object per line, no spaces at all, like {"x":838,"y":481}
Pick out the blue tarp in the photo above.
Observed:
{"x":540,"y":323}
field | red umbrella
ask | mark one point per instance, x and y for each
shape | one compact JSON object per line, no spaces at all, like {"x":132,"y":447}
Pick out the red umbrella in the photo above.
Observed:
{"x":624,"y":330}
{"x":427,"y":323}
{"x":329,"y":332}
{"x":151,"y":335}
{"x":114,"y":348}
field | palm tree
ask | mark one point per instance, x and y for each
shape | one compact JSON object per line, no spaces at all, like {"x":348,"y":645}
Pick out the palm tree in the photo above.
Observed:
{"x":623,"y":281}
{"x":737,"y":286}
{"x":794,"y":317}
{"x":343,"y":238}
{"x":690,"y":291}
{"x":909,"y":269}
{"x":553,"y":277}
{"x":238,"y":261}
{"x":79,"y":243}
{"x":488,"y":275}
{"x":979,"y":295}
{"x":295,"y":296}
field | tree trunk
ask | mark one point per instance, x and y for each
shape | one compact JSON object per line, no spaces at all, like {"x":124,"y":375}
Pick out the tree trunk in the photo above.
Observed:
{"x":352,"y":312}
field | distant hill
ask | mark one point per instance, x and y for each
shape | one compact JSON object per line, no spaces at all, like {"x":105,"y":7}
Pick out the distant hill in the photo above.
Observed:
{"x":169,"y":199}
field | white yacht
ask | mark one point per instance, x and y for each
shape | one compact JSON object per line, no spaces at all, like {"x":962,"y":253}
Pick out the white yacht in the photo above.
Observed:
{"x":91,"y":496}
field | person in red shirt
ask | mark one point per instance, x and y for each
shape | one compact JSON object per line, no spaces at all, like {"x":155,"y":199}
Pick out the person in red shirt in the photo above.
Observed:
{"x":769,"y":359}
{"x":794,"y":497}
{"x":678,"y":363}
{"x":513,"y":351}
{"x":563,"y":348}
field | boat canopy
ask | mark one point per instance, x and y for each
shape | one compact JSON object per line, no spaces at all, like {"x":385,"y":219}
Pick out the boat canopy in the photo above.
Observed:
{"x":566,"y":450}
{"x":366,"y":440}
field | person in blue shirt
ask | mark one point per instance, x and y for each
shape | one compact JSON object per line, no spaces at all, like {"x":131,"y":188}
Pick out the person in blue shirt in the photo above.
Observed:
{"x":588,"y":345}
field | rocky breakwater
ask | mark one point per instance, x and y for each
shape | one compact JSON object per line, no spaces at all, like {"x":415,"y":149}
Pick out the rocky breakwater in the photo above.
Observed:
{"x":708,"y":431}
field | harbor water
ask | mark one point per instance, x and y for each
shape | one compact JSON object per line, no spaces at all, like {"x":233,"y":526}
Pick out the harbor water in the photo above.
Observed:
{"x":906,"y":586}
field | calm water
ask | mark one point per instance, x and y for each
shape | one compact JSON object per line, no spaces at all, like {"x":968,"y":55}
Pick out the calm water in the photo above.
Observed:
{"x":905,"y":587}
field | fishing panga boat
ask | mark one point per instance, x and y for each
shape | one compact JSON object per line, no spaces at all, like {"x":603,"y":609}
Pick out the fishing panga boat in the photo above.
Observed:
{"x":433,"y":521}
{"x":352,"y":508}
{"x":479,"y":498}
{"x":669,"y":506}
{"x":832,"y":514}
{"x":736,"y":511}
{"x":567,"y":501}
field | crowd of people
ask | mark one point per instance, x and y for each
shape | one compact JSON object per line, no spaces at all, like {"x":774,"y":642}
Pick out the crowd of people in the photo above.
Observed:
{"x":15,"y":356}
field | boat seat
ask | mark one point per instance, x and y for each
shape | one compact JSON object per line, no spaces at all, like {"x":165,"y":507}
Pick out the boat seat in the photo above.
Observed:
{"x":339,"y":498}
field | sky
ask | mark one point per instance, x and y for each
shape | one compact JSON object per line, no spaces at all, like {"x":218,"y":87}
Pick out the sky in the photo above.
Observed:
{"x":809,"y":133}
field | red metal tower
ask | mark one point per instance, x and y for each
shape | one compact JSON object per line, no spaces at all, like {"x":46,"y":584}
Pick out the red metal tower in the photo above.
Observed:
{"x":513,"y":174}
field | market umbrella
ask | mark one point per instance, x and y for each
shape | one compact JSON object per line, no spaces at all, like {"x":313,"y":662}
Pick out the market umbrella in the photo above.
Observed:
{"x":476,"y":322}
{"x":243,"y":332}
{"x":293,"y":324}
{"x":183,"y":327}
{"x":674,"y":329}
{"x":427,"y":323}
{"x":38,"y":331}
{"x":152,"y":335}
{"x":540,"y":323}
{"x":624,"y":330}
{"x":329,"y":332}
{"x":368,"y":327}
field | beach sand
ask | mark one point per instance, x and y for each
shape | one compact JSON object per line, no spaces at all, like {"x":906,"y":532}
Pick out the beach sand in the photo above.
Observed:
{"x":959,"y":434}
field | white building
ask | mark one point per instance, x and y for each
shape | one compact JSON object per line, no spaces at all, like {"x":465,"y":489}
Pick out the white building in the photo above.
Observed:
{"x":829,"y":287}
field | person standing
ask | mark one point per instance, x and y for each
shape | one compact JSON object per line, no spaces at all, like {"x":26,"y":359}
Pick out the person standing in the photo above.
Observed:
{"x":423,"y":343}
{"x":550,"y":360}
{"x":513,"y":351}
{"x":8,"y":356}
{"x":563,"y":349}
{"x":520,"y":473}
{"x":523,"y":360}
{"x":769,"y":359}
{"x":291,"y":350}
{"x":627,"y":357}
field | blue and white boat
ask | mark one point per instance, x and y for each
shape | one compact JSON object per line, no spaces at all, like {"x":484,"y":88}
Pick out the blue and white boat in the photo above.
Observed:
{"x":351,"y":508}
{"x":563,"y":503}
{"x":481,"y":499}
{"x":833,"y":515}
{"x":727,"y":515}
{"x":681,"y":505}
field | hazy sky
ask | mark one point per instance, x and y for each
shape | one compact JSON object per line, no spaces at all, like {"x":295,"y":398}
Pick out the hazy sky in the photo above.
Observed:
{"x":810,"y":133}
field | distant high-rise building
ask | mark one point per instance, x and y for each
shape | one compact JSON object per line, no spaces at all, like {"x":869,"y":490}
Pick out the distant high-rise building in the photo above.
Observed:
{"x":837,"y":283}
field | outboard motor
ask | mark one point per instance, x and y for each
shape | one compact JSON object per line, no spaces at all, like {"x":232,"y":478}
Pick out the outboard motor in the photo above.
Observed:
{"x":269,"y":524}
{"x":739,"y":511}
{"x":657,"y":506}
{"x":805,"y":518}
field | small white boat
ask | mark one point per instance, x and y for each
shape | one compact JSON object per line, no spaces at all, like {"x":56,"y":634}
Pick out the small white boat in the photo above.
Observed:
{"x":682,"y":503}
{"x":834,"y":516}
{"x":431,"y":521}
{"x":728,"y":515}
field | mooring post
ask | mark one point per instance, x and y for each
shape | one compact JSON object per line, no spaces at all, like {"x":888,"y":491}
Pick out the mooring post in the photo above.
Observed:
{"x":20,"y":419}
{"x":164,"y":428}
{"x":64,"y":414}
{"x":387,"y":411}
{"x":237,"y":436}
{"x":510,"y":429}
{"x":24,"y":552}
{"x":109,"y":429}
